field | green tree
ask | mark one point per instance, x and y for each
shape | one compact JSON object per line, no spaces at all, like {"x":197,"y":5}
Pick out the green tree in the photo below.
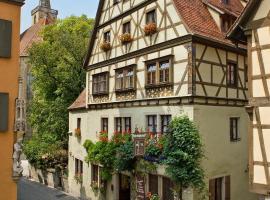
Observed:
{"x":58,"y":78}
{"x":183,"y":150}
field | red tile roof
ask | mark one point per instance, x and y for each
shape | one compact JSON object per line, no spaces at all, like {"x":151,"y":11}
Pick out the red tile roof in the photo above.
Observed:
{"x":234,"y":7}
{"x":32,"y":35}
{"x":80,"y":102}
{"x":198,"y":19}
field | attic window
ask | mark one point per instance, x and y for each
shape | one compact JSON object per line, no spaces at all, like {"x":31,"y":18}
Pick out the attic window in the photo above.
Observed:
{"x":226,"y":22}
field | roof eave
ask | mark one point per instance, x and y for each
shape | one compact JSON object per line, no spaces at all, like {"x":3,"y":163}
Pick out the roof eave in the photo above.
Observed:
{"x":238,"y":27}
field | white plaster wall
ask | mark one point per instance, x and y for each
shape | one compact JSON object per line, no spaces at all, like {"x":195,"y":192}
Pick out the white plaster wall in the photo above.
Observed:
{"x":224,"y":157}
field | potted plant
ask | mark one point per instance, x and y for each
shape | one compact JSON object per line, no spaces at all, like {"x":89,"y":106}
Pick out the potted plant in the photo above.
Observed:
{"x":105,"y":46}
{"x":78,"y":178}
{"x":78,"y":133}
{"x":151,"y":196}
{"x":125,"y":38}
{"x":94,"y":186}
{"x":150,"y":29}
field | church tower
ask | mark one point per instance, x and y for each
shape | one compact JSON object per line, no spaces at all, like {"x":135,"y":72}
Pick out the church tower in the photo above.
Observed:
{"x":43,"y":10}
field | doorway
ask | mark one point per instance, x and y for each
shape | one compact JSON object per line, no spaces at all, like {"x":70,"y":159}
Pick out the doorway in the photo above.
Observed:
{"x":124,"y":187}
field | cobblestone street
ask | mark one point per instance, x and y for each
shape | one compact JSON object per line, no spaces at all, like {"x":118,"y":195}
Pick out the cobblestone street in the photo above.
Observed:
{"x":29,"y":190}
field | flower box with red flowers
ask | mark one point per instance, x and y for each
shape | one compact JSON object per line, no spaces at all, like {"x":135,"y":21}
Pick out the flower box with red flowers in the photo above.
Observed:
{"x":150,"y":29}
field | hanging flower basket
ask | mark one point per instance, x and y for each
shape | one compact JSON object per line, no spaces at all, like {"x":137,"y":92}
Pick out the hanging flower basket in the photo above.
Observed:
{"x":78,"y":133}
{"x":105,"y":46}
{"x":150,"y":29}
{"x":125,"y":38}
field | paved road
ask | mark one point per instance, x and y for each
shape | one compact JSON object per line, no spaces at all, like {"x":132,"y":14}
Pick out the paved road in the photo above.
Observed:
{"x":28,"y":190}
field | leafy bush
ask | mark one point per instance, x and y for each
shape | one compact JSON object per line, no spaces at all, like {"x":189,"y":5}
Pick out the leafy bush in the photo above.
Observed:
{"x":183,"y":153}
{"x":45,"y":151}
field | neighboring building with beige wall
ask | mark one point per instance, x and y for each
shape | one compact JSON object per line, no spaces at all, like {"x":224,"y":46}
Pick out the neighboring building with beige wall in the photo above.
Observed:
{"x":10,"y":169}
{"x":185,"y":66}
{"x":253,"y":28}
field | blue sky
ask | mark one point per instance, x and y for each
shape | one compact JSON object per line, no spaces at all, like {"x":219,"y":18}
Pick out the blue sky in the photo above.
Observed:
{"x":65,"y":8}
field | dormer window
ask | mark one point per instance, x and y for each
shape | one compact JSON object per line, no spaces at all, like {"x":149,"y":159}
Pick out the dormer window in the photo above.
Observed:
{"x":226,"y":22}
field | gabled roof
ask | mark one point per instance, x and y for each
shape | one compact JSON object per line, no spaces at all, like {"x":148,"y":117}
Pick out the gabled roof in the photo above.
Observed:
{"x":32,"y":35}
{"x":80,"y":102}
{"x":195,"y":16}
{"x":236,"y":32}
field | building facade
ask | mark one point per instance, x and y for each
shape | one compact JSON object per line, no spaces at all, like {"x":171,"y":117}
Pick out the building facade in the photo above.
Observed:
{"x":252,"y":28}
{"x":42,"y":15}
{"x":150,"y":61}
{"x":10,"y":169}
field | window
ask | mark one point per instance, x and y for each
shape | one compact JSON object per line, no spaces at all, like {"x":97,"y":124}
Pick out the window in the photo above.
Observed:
{"x":152,"y":123}
{"x":104,"y":124}
{"x":115,"y":2}
{"x":219,"y":188}
{"x":159,"y":72}
{"x":107,"y":37}
{"x":167,"y":189}
{"x":127,"y":27}
{"x":164,"y":71}
{"x":124,"y":79}
{"x":151,"y":17}
{"x":234,"y":129}
{"x":151,"y":73}
{"x":127,"y":124}
{"x":153,"y":184}
{"x":95,"y":172}
{"x":118,"y":125}
{"x":79,"y":121}
{"x":165,"y":121}
{"x":226,"y":22}
{"x":78,"y":167}
{"x":232,"y":74}
{"x":4,"y":110}
{"x":100,"y":83}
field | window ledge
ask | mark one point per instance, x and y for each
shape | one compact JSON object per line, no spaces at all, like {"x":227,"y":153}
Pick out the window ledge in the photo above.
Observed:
{"x":237,"y":140}
{"x":100,"y":94}
{"x":125,"y":90}
{"x":158,"y":85}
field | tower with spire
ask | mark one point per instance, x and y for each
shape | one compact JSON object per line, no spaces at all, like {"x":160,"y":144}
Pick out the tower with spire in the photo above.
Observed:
{"x":43,"y":10}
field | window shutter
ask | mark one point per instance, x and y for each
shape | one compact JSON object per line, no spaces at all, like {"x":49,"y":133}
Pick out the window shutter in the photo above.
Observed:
{"x":3,"y":112}
{"x":5,"y":38}
{"x":227,"y":188}
{"x":212,"y":189}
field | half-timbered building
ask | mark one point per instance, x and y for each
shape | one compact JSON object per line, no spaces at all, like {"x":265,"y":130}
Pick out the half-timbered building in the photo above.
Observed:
{"x":152,"y":60}
{"x":253,"y":28}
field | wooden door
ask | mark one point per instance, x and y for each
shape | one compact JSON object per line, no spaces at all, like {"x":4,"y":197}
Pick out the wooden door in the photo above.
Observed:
{"x":124,"y":187}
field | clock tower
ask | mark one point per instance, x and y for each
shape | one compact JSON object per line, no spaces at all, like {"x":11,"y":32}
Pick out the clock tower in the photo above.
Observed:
{"x":43,"y":10}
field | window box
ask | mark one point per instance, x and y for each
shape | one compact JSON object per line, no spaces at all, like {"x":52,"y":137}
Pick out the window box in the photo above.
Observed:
{"x":125,"y":38}
{"x":150,"y":29}
{"x":152,"y":86}
{"x":105,"y":46}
